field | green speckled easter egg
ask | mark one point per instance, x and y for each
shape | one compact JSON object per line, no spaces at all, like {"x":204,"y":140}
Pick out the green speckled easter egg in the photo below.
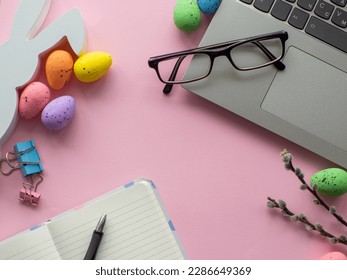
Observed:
{"x":187,"y":15}
{"x":331,"y":181}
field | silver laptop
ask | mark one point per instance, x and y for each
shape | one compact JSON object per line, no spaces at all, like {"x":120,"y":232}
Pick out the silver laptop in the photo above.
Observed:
{"x":307,"y":102}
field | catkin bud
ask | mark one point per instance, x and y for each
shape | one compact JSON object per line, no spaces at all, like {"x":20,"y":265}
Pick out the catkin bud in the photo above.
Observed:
{"x":294,"y":218}
{"x":282,"y":204}
{"x":342,"y":238}
{"x":308,"y":227}
{"x":319,"y":227}
{"x":270,"y":204}
{"x":302,"y":216}
{"x":333,"y":240}
{"x":298,"y":173}
{"x":287,"y":166}
{"x":316,"y":201}
{"x":287,"y":157}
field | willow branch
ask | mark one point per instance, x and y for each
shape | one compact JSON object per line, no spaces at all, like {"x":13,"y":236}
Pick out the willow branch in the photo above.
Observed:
{"x":280,"y":204}
{"x":288,"y":163}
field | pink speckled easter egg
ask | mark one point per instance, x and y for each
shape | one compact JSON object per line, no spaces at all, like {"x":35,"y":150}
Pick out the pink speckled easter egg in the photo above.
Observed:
{"x":58,"y":113}
{"x":334,"y":256}
{"x":33,"y":99}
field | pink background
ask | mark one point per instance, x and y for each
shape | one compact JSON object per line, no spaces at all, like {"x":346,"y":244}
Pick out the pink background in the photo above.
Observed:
{"x":212,"y":168}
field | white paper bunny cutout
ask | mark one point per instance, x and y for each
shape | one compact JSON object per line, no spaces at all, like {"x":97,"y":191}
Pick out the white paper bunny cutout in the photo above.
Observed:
{"x":19,"y":56}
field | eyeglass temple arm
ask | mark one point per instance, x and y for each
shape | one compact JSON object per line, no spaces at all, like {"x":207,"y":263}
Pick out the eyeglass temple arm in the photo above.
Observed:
{"x":168,"y":87}
{"x":278,"y":64}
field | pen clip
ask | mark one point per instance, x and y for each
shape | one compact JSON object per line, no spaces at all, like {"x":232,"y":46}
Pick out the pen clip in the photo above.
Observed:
{"x":100,"y":225}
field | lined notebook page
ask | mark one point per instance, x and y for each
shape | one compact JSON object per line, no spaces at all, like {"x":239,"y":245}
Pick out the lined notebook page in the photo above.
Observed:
{"x":136,"y":227}
{"x":33,"y":244}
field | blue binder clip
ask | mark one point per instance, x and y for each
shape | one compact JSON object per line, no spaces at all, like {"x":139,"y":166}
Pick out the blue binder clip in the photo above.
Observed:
{"x":26,"y":158}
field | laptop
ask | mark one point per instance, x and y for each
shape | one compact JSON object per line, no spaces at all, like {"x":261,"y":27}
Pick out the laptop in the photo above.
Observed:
{"x":307,"y":102}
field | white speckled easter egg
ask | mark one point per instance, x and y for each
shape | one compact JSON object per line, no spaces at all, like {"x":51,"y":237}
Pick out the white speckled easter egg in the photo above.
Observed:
{"x":58,"y":68}
{"x":334,"y":256}
{"x":91,"y":66}
{"x":33,"y":99}
{"x":58,"y":113}
{"x":209,"y":6}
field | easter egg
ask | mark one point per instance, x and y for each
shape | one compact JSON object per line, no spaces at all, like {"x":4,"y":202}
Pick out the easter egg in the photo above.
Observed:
{"x":58,"y":68}
{"x":331,"y":181}
{"x":334,"y":256}
{"x":187,"y":15}
{"x":91,"y":66}
{"x":58,"y":113}
{"x":33,"y":99}
{"x":209,"y":6}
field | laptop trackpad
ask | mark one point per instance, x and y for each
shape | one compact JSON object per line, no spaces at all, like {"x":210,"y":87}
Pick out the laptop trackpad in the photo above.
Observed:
{"x":311,"y":95}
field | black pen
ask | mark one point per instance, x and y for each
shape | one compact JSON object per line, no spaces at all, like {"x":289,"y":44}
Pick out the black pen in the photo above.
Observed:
{"x":96,"y":239}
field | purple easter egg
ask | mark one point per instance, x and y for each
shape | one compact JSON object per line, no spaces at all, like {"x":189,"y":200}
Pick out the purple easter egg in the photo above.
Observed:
{"x":58,"y":113}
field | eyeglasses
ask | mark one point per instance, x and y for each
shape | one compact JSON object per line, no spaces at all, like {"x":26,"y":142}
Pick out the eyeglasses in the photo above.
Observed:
{"x":244,"y":54}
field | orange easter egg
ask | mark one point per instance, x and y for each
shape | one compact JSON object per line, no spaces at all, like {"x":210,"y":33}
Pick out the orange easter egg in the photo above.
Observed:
{"x":59,"y":66}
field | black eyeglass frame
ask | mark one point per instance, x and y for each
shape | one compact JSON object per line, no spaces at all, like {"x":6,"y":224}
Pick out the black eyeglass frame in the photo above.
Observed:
{"x":216,"y":50}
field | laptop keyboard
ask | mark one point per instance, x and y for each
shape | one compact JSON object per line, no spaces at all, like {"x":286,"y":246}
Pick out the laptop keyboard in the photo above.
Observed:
{"x":325,"y":20}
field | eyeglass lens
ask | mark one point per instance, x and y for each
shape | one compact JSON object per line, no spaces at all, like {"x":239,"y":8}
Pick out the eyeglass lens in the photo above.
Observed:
{"x":167,"y":66}
{"x":252,"y":55}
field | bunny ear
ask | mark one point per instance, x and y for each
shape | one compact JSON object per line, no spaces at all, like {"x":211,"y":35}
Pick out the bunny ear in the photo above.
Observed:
{"x":29,"y":17}
{"x":70,"y":26}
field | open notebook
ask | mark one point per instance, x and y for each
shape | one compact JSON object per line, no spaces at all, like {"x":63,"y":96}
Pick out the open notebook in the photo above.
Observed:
{"x":137,"y":227}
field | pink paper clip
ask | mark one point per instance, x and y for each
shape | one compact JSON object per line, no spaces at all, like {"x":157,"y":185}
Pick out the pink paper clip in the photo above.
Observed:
{"x":28,"y":193}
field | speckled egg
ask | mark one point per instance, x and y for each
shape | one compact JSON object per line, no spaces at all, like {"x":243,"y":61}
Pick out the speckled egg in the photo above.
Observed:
{"x":58,"y":113}
{"x":209,"y":6}
{"x":187,"y":15}
{"x":331,"y":181}
{"x":91,"y":66}
{"x":58,"y":68}
{"x":33,"y":99}
{"x":334,"y":256}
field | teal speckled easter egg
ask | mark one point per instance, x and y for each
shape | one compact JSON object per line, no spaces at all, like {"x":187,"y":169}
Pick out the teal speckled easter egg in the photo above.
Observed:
{"x":187,"y":15}
{"x":209,"y":6}
{"x":331,"y":181}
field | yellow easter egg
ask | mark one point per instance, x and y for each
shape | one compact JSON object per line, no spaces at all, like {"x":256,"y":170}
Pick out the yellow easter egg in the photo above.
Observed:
{"x":91,"y":66}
